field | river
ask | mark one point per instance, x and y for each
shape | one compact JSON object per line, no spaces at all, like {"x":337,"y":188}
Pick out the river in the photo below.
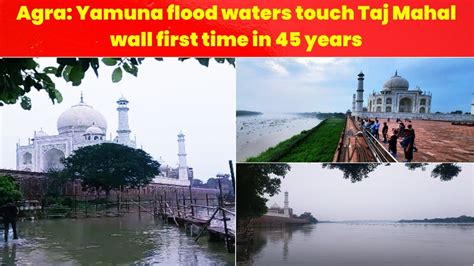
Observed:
{"x":257,"y":133}
{"x":119,"y":241}
{"x":366,"y":244}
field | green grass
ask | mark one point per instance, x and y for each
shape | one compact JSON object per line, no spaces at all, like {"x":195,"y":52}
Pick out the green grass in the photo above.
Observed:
{"x":315,"y":145}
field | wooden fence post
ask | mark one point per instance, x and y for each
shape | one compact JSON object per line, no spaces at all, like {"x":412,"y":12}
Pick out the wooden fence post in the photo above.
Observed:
{"x":191,"y":201}
{"x":177,"y":202}
{"x":207,"y":204}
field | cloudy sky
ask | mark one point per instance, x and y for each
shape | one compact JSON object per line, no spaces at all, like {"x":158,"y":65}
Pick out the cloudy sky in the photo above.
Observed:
{"x":390,"y":193}
{"x":166,"y":97}
{"x":327,"y":84}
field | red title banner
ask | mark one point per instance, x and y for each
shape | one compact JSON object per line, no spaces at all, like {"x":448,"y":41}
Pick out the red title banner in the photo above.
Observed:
{"x":84,"y":28}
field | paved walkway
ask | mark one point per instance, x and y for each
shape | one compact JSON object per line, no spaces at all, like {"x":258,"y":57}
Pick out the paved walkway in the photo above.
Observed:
{"x":437,"y":141}
{"x":354,"y":148}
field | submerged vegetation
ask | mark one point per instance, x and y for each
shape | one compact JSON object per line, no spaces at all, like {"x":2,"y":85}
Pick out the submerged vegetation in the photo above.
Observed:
{"x":315,"y":145}
{"x":246,"y":113}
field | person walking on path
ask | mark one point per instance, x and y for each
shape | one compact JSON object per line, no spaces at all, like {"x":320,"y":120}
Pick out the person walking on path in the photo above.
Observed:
{"x":392,"y":143}
{"x":376,"y":128}
{"x":407,"y":145}
{"x":9,"y":212}
{"x":384,"y":132}
{"x":412,"y":132}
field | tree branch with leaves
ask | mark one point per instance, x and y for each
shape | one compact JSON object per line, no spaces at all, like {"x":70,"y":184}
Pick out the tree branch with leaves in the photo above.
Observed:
{"x":18,"y":76}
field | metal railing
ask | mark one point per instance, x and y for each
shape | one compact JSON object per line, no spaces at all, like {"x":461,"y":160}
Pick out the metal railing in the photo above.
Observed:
{"x":378,"y":150}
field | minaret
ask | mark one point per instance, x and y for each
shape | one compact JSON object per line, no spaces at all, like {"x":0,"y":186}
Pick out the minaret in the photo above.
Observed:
{"x":286,"y":208}
{"x":360,"y":93}
{"x":472,"y":105}
{"x":123,"y":131}
{"x":183,"y":167}
{"x":353,"y":103}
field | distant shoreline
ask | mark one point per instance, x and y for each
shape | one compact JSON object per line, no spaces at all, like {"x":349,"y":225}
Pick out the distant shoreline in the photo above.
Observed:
{"x":460,"y":219}
{"x":247,"y":113}
{"x":321,"y":115}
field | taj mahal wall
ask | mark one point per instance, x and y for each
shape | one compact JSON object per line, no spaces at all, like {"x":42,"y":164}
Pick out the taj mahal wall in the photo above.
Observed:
{"x":431,"y":116}
{"x":276,"y":214}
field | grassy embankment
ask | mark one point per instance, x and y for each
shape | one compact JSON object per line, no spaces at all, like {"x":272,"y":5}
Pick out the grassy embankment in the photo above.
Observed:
{"x":315,"y":145}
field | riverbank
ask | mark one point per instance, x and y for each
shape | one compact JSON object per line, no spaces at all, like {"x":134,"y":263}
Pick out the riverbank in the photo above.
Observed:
{"x":315,"y":145}
{"x":256,"y":134}
{"x":276,"y":221}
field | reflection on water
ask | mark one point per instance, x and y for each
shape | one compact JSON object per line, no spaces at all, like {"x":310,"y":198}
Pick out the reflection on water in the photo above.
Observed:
{"x":256,"y":134}
{"x":366,"y":244}
{"x":122,"y":240}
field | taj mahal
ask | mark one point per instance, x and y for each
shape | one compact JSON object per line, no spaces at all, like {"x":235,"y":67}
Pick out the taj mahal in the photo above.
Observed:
{"x":82,"y":125}
{"x":276,"y":210}
{"x":395,"y":97}
{"x":396,"y":100}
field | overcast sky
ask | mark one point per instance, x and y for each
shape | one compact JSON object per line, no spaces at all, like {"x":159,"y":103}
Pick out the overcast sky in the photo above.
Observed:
{"x":390,"y":193}
{"x":327,"y":84}
{"x":166,"y":97}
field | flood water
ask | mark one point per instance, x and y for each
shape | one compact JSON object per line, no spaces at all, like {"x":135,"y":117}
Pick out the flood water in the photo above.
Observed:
{"x":256,"y":134}
{"x":119,"y":241}
{"x":366,"y":244}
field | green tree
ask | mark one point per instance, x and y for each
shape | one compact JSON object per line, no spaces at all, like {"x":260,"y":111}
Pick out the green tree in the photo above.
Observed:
{"x":357,"y":172}
{"x":354,"y":172}
{"x":18,"y":76}
{"x":197,"y":183}
{"x":254,"y":181}
{"x":308,"y":216}
{"x":446,"y":171}
{"x":110,"y":166}
{"x":55,"y":182}
{"x":9,"y":190}
{"x":414,"y":166}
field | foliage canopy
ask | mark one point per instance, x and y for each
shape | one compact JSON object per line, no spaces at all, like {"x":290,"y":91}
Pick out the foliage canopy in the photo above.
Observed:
{"x":9,"y":190}
{"x":110,"y":166}
{"x":357,"y":172}
{"x":255,"y":180}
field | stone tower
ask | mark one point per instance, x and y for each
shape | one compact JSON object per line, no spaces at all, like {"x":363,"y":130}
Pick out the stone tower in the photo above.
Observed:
{"x":472,"y":105}
{"x":286,"y":208}
{"x":360,"y":93}
{"x":183,"y":166}
{"x":123,"y":131}
{"x":353,"y":103}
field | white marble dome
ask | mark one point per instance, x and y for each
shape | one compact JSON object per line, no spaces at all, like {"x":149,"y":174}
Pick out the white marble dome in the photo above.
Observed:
{"x":79,"y":118}
{"x":396,"y":83}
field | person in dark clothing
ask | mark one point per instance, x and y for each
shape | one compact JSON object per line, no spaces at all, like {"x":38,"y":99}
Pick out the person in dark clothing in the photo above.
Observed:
{"x":408,"y":145}
{"x":401,"y":130}
{"x":384,"y":132}
{"x":412,"y":131}
{"x":392,"y":143}
{"x":9,"y":212}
